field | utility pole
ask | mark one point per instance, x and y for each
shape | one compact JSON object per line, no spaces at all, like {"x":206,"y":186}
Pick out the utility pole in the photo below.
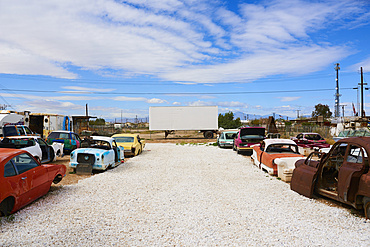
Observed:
{"x":337,"y":95}
{"x":343,"y":109}
{"x":362,"y":94}
{"x":298,"y":113}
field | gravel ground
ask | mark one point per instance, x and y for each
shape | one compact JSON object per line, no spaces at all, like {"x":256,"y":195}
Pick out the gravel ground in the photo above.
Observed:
{"x":182,"y":196}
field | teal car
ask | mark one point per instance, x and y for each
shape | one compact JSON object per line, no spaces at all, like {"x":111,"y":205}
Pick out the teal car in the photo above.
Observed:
{"x":70,"y":139}
{"x":226,"y":138}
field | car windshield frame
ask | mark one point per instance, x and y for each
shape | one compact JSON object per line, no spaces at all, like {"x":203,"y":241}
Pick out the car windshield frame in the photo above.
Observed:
{"x":282,"y":148}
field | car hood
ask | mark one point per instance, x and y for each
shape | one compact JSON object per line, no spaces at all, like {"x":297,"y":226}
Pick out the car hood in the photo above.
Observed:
{"x":252,"y":131}
{"x":90,"y":151}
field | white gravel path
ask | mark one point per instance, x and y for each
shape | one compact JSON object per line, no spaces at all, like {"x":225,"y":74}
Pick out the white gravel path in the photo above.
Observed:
{"x":182,"y":196}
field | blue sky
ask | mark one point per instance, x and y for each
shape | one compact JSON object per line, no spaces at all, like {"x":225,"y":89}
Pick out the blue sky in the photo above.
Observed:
{"x":121,"y":57}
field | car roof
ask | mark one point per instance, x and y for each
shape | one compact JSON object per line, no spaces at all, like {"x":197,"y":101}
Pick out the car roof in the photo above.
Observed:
{"x":20,"y":137}
{"x":62,"y":131}
{"x":362,"y":140}
{"x":103,"y":138}
{"x":229,"y":131}
{"x":278,"y":141}
{"x":309,"y":133}
{"x":121,"y":135}
{"x":6,"y":153}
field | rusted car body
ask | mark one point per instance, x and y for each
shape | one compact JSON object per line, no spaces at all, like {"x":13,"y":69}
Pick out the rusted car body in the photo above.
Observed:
{"x":274,"y":155}
{"x":342,"y":174}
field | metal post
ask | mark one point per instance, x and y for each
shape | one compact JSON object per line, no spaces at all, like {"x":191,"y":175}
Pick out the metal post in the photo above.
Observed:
{"x":337,"y":95}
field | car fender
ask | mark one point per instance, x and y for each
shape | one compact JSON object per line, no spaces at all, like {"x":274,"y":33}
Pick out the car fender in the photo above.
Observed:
{"x":35,"y":151}
{"x":364,"y":185}
{"x":58,"y":147}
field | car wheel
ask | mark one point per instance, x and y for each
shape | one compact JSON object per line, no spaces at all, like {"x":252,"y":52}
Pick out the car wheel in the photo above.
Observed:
{"x":367,"y":207}
{"x":6,"y":206}
{"x":208,"y":134}
{"x":57,"y":179}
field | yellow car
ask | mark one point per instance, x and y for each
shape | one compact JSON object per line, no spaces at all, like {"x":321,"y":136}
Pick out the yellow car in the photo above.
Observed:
{"x":131,"y":142}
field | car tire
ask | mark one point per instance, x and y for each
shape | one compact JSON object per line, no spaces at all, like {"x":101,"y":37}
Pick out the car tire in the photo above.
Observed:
{"x":366,"y":201}
{"x":6,"y":206}
{"x":208,"y":134}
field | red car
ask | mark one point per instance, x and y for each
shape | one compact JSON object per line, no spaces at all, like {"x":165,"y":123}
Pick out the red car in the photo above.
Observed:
{"x":23,"y":179}
{"x":246,"y":138}
{"x":310,"y":140}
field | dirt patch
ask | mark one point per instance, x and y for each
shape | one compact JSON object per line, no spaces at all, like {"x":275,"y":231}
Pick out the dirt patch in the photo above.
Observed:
{"x":70,"y":178}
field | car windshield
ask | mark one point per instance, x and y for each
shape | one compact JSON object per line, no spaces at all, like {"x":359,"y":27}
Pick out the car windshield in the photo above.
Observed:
{"x":124,"y":139}
{"x":313,"y":137}
{"x":53,"y":135}
{"x":282,"y":148}
{"x":100,"y":144}
{"x":10,"y":131}
{"x":23,"y":141}
{"x":230,"y":135}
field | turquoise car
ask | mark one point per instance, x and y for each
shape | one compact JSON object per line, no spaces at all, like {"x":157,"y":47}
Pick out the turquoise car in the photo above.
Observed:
{"x":98,"y":153}
{"x":226,"y":138}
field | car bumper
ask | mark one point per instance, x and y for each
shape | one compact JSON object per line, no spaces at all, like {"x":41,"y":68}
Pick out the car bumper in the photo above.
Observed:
{"x":244,"y":148}
{"x":225,"y":144}
{"x":128,"y":152}
{"x":94,"y":167}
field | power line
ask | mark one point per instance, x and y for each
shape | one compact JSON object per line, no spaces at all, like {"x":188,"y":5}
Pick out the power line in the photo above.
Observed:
{"x":169,"y":93}
{"x":156,"y":83}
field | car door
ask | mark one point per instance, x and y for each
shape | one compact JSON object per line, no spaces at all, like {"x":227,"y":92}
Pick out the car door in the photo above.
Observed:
{"x":34,"y":176}
{"x":77,"y":140}
{"x":116,"y":151}
{"x":47,"y":151}
{"x":17,"y":183}
{"x":353,"y":167}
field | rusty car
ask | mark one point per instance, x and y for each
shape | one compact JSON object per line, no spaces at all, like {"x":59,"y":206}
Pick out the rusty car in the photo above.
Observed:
{"x":342,"y":174}
{"x":276,"y":157}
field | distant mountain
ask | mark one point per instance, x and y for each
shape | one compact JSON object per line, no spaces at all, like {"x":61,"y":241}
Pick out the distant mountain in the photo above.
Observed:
{"x":246,"y":116}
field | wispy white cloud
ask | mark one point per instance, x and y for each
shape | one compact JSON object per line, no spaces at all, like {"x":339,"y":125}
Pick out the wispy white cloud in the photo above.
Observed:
{"x":178,"y":40}
{"x":124,"y":98}
{"x":149,"y":101}
{"x":156,"y":101}
{"x":285,"y":99}
{"x":89,"y":89}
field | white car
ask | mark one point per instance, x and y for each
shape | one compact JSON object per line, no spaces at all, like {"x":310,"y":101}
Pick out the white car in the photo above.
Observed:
{"x":98,"y":153}
{"x":277,"y":157}
{"x":36,"y":146}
